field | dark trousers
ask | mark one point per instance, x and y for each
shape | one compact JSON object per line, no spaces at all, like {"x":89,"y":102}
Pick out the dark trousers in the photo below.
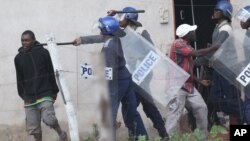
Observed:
{"x":247,"y":104}
{"x":121,"y":91}
{"x":150,"y":109}
{"x":225,"y":97}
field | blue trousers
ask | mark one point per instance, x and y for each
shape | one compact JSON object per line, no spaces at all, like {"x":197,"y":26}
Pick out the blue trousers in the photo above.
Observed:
{"x":247,"y":104}
{"x":150,"y":110}
{"x":121,"y":91}
{"x":225,"y":97}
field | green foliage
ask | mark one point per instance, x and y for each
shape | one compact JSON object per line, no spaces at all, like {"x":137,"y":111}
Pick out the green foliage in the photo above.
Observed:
{"x":197,"y":135}
{"x":218,"y":129}
{"x":87,"y":139}
{"x":157,"y":139}
{"x":95,"y":134}
{"x":142,"y":138}
{"x":215,"y":130}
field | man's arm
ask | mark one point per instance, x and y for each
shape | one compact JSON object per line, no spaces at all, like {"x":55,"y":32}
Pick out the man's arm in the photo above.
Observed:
{"x":185,"y":51}
{"x":89,"y":40}
{"x":110,"y":55}
{"x":203,"y":60}
{"x":222,"y":37}
{"x":51,"y":73}
{"x":19,"y":79}
{"x":204,"y":51}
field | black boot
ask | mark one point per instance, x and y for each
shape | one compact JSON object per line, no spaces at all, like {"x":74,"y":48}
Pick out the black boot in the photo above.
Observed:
{"x":163,"y":134}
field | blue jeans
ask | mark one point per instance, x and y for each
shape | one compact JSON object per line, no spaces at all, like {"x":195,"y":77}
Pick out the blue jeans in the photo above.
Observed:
{"x":122,"y":91}
{"x":225,"y":97}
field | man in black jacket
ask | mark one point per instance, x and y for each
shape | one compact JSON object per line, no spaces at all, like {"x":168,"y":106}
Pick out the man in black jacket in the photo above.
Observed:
{"x":37,"y":86}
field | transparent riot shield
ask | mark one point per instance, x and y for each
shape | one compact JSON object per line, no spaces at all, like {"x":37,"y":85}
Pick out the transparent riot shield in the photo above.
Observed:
{"x":82,"y":71}
{"x":158,"y":77}
{"x":232,"y":59}
{"x":93,"y":103}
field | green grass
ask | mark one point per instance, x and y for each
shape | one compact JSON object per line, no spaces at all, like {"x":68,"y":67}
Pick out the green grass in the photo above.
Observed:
{"x":94,"y":135}
{"x":197,"y":135}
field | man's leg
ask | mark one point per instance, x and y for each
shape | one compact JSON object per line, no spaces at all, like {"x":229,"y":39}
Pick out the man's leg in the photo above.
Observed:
{"x":231,"y":103}
{"x":214,"y":99}
{"x":198,"y":107}
{"x":131,"y":116}
{"x":144,"y":97}
{"x":215,"y":93}
{"x":33,"y":122}
{"x":152,"y":112}
{"x":138,"y":100}
{"x":247,"y":110}
{"x":247,"y":105}
{"x":49,"y":118}
{"x":116,"y":93}
{"x":175,"y":108}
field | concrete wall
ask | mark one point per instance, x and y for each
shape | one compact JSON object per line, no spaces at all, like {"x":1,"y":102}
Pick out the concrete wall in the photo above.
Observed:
{"x":67,"y":19}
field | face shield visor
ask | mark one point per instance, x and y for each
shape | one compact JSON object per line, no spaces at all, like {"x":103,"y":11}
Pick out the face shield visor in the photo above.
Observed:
{"x":242,"y":15}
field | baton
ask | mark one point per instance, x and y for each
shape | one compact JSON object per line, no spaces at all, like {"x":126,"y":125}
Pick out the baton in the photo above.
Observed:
{"x":136,"y":11}
{"x":63,"y":43}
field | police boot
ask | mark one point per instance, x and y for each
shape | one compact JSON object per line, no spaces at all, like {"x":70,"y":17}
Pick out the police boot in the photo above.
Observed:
{"x":163,"y":134}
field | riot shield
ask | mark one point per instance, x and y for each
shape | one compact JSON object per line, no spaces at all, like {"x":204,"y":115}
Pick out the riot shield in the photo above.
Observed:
{"x":80,"y":76}
{"x":93,"y":103}
{"x":158,"y":76}
{"x":232,"y":59}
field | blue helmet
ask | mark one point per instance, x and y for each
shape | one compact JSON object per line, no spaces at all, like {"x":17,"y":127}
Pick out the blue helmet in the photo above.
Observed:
{"x":130,"y":16}
{"x":133,"y":17}
{"x":247,"y":8}
{"x":226,"y":7}
{"x":110,"y":26}
{"x":244,"y":14}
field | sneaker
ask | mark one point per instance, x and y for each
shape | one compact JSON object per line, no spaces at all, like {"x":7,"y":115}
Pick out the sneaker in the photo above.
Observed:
{"x":63,"y":136}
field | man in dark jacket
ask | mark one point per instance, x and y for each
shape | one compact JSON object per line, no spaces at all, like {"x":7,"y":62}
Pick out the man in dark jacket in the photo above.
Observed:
{"x":37,"y":86}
